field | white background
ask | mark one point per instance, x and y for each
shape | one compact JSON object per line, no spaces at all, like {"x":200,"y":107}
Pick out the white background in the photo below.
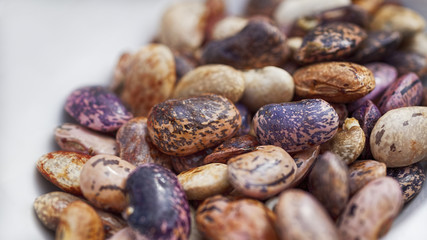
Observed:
{"x":47,"y":49}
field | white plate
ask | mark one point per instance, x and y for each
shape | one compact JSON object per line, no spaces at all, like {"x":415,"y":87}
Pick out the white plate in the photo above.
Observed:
{"x":47,"y":49}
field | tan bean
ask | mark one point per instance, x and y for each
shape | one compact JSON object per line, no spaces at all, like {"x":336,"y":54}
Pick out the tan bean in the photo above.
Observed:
{"x":263,"y":172}
{"x":222,"y":218}
{"x":149,"y":78}
{"x":300,"y":216}
{"x":63,"y":169}
{"x":205,"y":181}
{"x":228,"y":27}
{"x":348,"y":143}
{"x":267,"y":85}
{"x":328,"y":182}
{"x":216,"y":78}
{"x":75,"y":138}
{"x":371,"y":211}
{"x":364,"y":171}
{"x":102,"y":181}
{"x":79,"y":221}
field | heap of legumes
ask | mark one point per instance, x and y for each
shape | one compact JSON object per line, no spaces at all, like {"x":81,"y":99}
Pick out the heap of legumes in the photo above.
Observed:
{"x":299,"y":119}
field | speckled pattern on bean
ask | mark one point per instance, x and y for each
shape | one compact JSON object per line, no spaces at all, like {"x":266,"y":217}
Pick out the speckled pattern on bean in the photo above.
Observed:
{"x":296,"y":126}
{"x":184,"y":126}
{"x":231,"y":148}
{"x":158,"y":207}
{"x":263,"y":172}
{"x":97,"y":108}
{"x":363,"y":171}
{"x":331,"y":41}
{"x":410,"y":178}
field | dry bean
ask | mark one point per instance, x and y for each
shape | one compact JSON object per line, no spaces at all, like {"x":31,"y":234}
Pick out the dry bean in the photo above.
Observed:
{"x":331,"y":41}
{"x":228,"y":27}
{"x":221,"y":218}
{"x":63,"y":169}
{"x":97,"y":108}
{"x":75,"y":138}
{"x":396,"y":138}
{"x":149,"y":78}
{"x":304,"y":161}
{"x":245,"y":128}
{"x":342,"y":112}
{"x":300,"y":216}
{"x":397,"y":18}
{"x":157,"y":206}
{"x":338,"y":82}
{"x":364,"y":171}
{"x":136,"y":147}
{"x":215,"y":78}
{"x":329,"y":183}
{"x":180,"y":164}
{"x":79,"y":221}
{"x":406,"y":62}
{"x":267,"y":85}
{"x":371,"y":211}
{"x":205,"y":181}
{"x":181,"y":127}
{"x":417,"y":43}
{"x":183,"y":24}
{"x":410,"y":178}
{"x":348,"y":142}
{"x":263,"y":172}
{"x":231,"y":148}
{"x":296,"y":126}
{"x":262,"y":7}
{"x":367,"y":115}
{"x":102,"y":181}
{"x":257,"y":45}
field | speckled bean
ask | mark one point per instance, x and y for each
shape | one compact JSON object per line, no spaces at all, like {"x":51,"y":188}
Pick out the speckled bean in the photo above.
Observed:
{"x":102,"y":181}
{"x":136,"y":147}
{"x":49,"y":207}
{"x":296,"y":126}
{"x":63,"y":169}
{"x":215,"y":78}
{"x":338,"y":82}
{"x":371,"y":211}
{"x":263,"y":172}
{"x":75,"y":138}
{"x":267,"y":85}
{"x":367,"y":115}
{"x":364,"y":171}
{"x":182,"y":26}
{"x":328,"y":181}
{"x":304,"y":161}
{"x":410,"y":178}
{"x":376,"y":46}
{"x":397,"y":18}
{"x":97,"y":108}
{"x":79,"y":221}
{"x":404,"y":92}
{"x":184,"y":126}
{"x":157,"y":206}
{"x":257,"y":45}
{"x":406,"y":62}
{"x":331,"y":41}
{"x":245,"y":127}
{"x":180,"y":164}
{"x":222,"y":218}
{"x":396,"y":138}
{"x":231,"y":148}
{"x":149,"y":78}
{"x":205,"y":181}
{"x":348,"y":142}
{"x":384,"y":75}
{"x":301,"y":216}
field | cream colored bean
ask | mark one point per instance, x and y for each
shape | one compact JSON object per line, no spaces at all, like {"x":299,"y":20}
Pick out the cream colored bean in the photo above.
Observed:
{"x":228,"y":26}
{"x":103,"y":179}
{"x":348,"y":143}
{"x":79,"y":221}
{"x":216,"y":78}
{"x":205,"y":181}
{"x":267,"y":85}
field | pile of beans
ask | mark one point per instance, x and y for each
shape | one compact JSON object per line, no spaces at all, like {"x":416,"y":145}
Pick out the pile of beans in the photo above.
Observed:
{"x":300,"y":119}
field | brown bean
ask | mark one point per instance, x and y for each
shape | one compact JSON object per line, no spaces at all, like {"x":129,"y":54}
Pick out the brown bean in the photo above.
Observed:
{"x":364,"y":171}
{"x":231,"y":148}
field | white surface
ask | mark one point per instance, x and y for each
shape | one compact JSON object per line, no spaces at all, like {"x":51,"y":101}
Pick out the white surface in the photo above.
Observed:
{"x":47,"y":49}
